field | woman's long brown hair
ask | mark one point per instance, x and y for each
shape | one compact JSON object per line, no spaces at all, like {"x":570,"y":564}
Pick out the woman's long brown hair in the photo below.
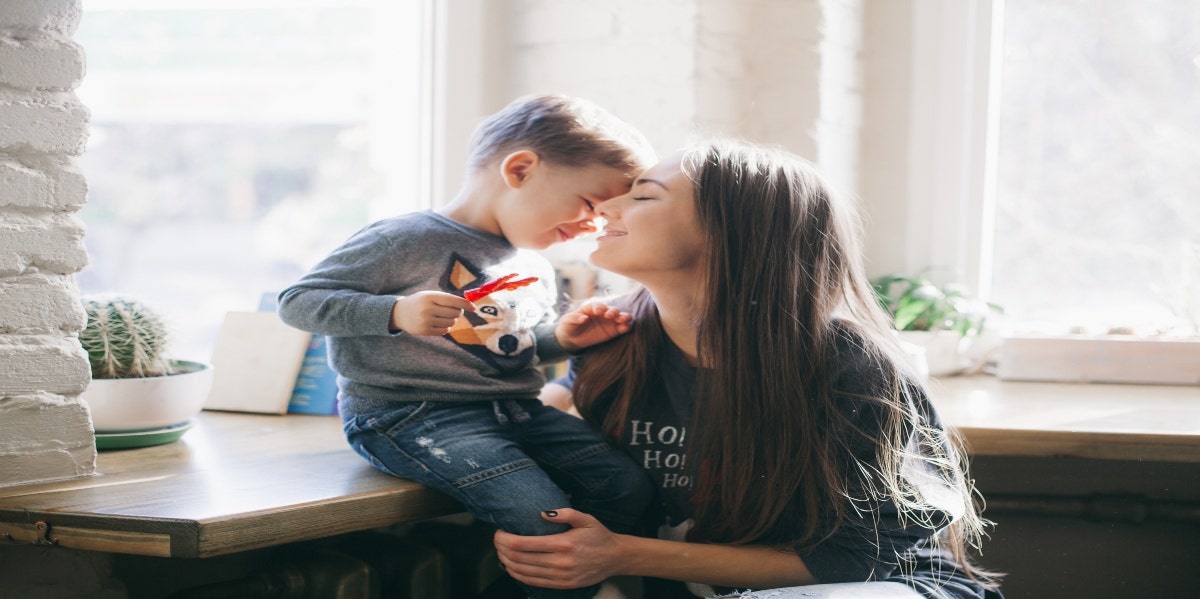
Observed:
{"x":783,"y":259}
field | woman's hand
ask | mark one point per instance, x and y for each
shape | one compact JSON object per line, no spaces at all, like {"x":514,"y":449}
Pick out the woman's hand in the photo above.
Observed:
{"x":585,"y":555}
{"x":590,"y":553}
{"x":590,"y":324}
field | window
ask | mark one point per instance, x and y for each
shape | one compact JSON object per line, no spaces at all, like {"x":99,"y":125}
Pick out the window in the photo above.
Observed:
{"x":1097,"y":191}
{"x":234,"y":143}
{"x":1051,"y":147}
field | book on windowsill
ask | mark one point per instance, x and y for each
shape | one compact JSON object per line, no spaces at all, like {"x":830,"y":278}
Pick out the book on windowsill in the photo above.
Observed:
{"x":256,"y":360}
{"x":315,"y":391}
{"x":315,"y":388}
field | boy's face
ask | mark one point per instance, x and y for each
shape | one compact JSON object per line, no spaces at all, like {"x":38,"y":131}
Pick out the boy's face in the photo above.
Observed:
{"x":552,"y":203}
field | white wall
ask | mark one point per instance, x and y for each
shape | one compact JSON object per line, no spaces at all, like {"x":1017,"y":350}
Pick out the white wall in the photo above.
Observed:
{"x":471,"y":70}
{"x":887,"y":87}
{"x":45,"y":430}
{"x":887,"y":97}
{"x":783,"y":72}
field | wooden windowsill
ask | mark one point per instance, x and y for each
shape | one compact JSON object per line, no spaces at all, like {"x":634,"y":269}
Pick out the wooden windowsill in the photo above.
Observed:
{"x":233,"y":482}
{"x":1099,"y":421}
{"x":237,"y":482}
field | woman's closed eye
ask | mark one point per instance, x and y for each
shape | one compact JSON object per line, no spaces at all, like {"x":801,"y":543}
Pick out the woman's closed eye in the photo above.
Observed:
{"x":641,"y":198}
{"x":591,"y":206}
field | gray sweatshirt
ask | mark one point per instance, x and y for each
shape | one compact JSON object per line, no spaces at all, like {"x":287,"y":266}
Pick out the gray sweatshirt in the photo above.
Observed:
{"x":489,"y":354}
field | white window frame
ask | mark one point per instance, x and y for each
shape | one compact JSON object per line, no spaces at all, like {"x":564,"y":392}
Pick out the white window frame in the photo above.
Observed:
{"x":468,"y":84}
{"x":952,"y":144}
{"x":422,"y":37}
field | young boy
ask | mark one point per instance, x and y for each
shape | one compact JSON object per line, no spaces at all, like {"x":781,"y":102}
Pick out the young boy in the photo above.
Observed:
{"x":442,"y":390}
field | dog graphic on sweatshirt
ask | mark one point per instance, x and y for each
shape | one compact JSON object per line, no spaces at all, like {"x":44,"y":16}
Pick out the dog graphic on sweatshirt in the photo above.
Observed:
{"x":500,"y":332}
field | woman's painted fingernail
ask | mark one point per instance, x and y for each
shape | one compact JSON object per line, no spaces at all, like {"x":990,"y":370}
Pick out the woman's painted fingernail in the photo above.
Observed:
{"x":551,"y":513}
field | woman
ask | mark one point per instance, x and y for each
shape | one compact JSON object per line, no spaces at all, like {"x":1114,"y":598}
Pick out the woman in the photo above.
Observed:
{"x":761,"y":390}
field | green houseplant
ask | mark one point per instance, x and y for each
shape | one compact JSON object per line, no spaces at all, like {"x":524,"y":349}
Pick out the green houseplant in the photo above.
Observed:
{"x":939,"y":319}
{"x":135,"y":385}
{"x":917,"y":304}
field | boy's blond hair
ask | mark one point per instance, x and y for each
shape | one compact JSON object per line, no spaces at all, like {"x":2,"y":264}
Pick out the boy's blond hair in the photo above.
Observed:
{"x":562,"y":130}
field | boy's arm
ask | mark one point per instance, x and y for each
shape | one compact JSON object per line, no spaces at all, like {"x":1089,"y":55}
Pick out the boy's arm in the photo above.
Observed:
{"x":344,"y":294}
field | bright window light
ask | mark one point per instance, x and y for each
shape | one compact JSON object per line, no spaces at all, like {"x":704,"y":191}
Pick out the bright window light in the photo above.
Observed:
{"x":1098,"y":190}
{"x":234,"y":144}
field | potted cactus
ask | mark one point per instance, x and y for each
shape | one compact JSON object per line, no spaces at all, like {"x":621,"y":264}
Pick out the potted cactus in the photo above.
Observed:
{"x":136,"y":387}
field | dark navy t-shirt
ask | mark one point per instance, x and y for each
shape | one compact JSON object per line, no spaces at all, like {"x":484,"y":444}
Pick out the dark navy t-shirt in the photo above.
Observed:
{"x":874,"y":545}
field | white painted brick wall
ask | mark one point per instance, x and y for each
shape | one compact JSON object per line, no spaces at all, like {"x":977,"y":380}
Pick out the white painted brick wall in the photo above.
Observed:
{"x":41,"y":64}
{"x":45,"y":181}
{"x":839,"y":123}
{"x":45,"y":429}
{"x":37,"y":121}
{"x":38,"y":303}
{"x":35,"y":19}
{"x":635,"y":58}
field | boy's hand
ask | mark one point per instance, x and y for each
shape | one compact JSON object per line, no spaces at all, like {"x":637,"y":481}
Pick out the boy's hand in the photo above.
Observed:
{"x":590,"y":324}
{"x":428,"y":313}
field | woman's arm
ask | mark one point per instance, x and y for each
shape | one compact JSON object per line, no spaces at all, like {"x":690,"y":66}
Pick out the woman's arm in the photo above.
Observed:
{"x":590,"y":553}
{"x":558,"y":392}
{"x":556,"y":395}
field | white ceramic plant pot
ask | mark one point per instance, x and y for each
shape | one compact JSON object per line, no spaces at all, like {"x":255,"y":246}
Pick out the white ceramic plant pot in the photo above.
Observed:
{"x":915,"y":356}
{"x":943,"y":350}
{"x":121,"y":405}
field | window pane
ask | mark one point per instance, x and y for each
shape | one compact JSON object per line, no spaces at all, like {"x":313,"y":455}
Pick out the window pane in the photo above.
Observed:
{"x":1098,"y":195}
{"x":233,"y":144}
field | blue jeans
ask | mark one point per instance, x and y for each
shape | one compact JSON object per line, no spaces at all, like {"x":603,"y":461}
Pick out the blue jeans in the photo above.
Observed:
{"x":486,"y":454}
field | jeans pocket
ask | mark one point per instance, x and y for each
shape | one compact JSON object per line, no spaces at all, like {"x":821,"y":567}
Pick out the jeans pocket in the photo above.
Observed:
{"x":392,"y":422}
{"x":384,"y":419}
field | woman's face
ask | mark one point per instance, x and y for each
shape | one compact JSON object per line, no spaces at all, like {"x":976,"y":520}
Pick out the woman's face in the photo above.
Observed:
{"x":652,"y":231}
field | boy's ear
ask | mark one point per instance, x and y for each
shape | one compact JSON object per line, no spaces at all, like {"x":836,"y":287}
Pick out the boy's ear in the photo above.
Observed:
{"x":516,"y":167}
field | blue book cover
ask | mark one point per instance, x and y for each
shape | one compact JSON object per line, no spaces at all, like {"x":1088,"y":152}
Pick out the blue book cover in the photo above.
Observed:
{"x":316,"y":386}
{"x":316,"y":390}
